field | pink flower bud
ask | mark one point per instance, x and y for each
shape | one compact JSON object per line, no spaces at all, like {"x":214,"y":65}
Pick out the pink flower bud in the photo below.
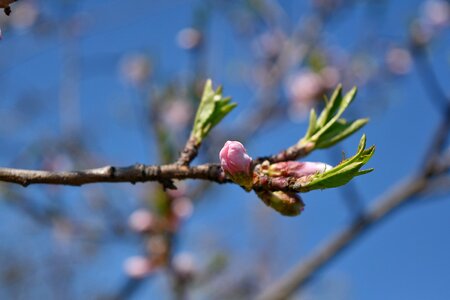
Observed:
{"x":234,"y":158}
{"x":236,"y":163}
{"x":297,"y":169}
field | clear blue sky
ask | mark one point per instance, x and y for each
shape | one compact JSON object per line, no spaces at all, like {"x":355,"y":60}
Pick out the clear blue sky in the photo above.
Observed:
{"x":404,"y":257}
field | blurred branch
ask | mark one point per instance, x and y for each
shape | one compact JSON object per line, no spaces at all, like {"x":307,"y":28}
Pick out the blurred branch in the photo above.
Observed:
{"x":437,"y":96}
{"x":308,"y":267}
{"x":429,"y":79}
{"x":400,"y":194}
{"x":128,"y":288}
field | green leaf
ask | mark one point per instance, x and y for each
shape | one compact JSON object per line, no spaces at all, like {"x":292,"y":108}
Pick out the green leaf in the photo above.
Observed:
{"x":331,"y":106}
{"x":312,"y":123}
{"x":343,"y":104}
{"x":342,"y":173}
{"x":329,"y":128}
{"x":339,"y":131}
{"x":212,"y":109}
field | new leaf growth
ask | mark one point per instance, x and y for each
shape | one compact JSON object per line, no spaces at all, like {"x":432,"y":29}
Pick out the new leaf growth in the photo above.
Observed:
{"x":213,"y":108}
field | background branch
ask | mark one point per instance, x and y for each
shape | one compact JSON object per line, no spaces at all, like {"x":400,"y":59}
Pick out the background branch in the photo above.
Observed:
{"x":435,"y":164}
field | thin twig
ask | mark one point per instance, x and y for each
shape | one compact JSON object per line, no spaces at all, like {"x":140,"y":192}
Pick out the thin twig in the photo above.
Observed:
{"x":292,"y":153}
{"x":189,"y":152}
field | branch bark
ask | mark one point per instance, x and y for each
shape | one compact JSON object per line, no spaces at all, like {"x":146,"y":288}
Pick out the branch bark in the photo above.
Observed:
{"x":189,"y":152}
{"x":131,"y":174}
{"x":139,"y":172}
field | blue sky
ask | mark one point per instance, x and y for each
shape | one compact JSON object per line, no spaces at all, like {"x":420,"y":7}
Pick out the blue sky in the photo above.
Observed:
{"x":404,"y":257}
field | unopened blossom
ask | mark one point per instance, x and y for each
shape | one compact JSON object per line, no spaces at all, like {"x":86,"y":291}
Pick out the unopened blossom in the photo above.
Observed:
{"x":288,"y":204}
{"x":297,"y":169}
{"x":236,"y":163}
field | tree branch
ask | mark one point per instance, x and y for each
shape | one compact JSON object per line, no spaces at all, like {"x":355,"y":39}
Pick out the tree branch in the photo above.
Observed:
{"x":131,"y":174}
{"x":189,"y":152}
{"x":140,"y":172}
{"x":400,"y":194}
{"x":294,"y":152}
{"x":308,"y":267}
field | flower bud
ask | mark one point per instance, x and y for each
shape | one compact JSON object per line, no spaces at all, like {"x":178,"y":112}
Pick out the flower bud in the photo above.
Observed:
{"x":288,"y":204}
{"x":297,"y":169}
{"x":236,"y":163}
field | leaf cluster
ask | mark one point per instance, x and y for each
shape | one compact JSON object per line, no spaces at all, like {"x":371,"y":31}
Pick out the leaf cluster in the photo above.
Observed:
{"x":212,"y":109}
{"x":329,"y":128}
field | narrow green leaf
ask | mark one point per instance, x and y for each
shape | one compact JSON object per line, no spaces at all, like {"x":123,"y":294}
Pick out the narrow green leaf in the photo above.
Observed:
{"x":348,"y":98}
{"x":365,"y":171}
{"x":339,"y":131}
{"x":212,"y":109}
{"x":330,"y":107}
{"x":312,"y":123}
{"x":342,"y":173}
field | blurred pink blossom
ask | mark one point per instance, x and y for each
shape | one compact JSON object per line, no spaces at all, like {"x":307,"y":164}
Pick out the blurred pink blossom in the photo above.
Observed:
{"x":398,"y":61}
{"x":189,"y":38}
{"x":135,"y":68}
{"x":141,"y":220}
{"x":177,"y":113}
{"x":182,"y":207}
{"x":24,"y":15}
{"x":184,"y":264}
{"x":269,"y":43}
{"x":330,"y":77}
{"x":137,"y":266}
{"x":303,"y":89}
{"x":437,"y":12}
